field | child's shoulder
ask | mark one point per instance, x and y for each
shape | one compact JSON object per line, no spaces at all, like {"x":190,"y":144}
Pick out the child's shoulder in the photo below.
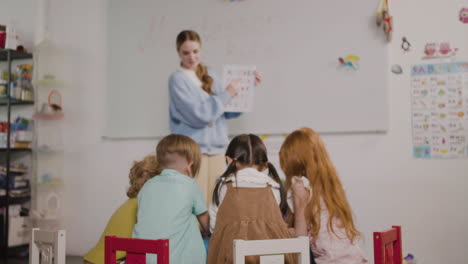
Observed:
{"x":171,"y":176}
{"x":250,"y":177}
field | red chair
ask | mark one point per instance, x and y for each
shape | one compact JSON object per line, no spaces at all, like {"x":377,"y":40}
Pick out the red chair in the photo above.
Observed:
{"x":387,"y":246}
{"x":136,"y":249}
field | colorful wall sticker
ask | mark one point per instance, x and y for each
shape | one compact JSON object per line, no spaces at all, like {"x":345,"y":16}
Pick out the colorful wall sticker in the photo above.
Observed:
{"x":464,"y":15}
{"x":441,"y":50}
{"x":349,"y":62}
{"x":405,"y":45}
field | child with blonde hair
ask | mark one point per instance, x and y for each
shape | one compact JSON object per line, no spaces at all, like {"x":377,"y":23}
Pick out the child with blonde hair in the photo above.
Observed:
{"x":140,"y":172}
{"x":170,"y":204}
{"x":123,"y":220}
{"x":322,"y":212}
{"x":248,"y":201}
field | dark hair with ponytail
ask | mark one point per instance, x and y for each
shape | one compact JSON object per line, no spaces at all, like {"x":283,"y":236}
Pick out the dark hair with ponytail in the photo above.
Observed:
{"x":248,"y":150}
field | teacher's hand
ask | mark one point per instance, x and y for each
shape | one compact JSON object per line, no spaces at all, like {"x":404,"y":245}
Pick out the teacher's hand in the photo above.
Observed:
{"x":258,"y":78}
{"x":233,"y":88}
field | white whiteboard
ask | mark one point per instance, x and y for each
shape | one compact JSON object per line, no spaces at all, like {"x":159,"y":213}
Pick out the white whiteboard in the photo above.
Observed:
{"x":295,"y":44}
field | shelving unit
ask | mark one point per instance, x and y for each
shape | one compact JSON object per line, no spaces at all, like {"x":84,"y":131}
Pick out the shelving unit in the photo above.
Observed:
{"x":48,"y":152}
{"x":14,"y":200}
{"x":48,"y":183}
{"x":4,"y":101}
{"x":10,"y":55}
{"x":16,"y":149}
{"x":7,"y":102}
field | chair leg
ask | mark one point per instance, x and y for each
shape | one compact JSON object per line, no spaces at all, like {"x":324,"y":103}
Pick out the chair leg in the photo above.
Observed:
{"x":397,"y":247}
{"x":379,"y":254}
{"x":238,"y":258}
{"x":109,"y":254}
{"x":59,"y":247}
{"x":33,"y":249}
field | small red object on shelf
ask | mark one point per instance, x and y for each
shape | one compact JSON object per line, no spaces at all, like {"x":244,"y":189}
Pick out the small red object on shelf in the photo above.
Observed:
{"x":2,"y":40}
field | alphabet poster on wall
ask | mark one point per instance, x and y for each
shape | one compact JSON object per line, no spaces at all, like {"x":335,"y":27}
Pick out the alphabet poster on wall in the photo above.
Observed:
{"x":439,"y":95}
{"x":244,"y":100}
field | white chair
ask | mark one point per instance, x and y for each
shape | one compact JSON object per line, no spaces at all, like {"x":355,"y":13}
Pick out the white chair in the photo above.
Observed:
{"x":272,"y":250}
{"x":47,"y":247}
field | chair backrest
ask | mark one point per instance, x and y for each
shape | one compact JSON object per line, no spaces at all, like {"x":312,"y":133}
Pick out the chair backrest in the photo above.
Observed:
{"x":136,"y":249}
{"x":272,"y":250}
{"x":47,"y":247}
{"x":387,"y":246}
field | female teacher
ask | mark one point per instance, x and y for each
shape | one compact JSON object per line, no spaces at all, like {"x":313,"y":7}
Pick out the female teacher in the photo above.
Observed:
{"x":196,"y":108}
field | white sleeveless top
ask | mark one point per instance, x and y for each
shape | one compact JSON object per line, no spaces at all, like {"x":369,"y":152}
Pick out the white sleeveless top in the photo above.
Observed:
{"x":192,"y":76}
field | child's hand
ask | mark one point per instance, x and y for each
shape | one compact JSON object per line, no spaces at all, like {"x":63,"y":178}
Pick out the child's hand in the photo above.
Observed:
{"x":300,"y":196}
{"x":205,"y":233}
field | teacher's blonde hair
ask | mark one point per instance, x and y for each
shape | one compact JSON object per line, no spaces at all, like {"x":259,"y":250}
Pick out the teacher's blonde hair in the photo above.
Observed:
{"x":201,"y":71}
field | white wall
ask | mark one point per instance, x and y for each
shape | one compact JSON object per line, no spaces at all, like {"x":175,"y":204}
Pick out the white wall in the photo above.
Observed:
{"x":20,"y":15}
{"x":385,"y":185}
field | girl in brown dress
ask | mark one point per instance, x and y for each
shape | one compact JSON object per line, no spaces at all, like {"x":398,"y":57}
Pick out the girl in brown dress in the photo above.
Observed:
{"x":248,"y":203}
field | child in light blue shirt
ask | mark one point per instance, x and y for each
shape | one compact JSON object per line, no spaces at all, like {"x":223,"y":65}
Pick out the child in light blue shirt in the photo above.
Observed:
{"x":170,"y":204}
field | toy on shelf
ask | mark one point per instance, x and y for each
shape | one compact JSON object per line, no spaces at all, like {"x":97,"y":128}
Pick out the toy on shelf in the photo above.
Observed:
{"x":21,"y":133}
{"x":2,"y":36}
{"x":20,"y":83}
{"x":21,"y":48}
{"x":12,"y":37}
{"x":384,"y":18}
{"x":53,"y":108}
{"x":50,"y":179}
{"x":23,"y":82}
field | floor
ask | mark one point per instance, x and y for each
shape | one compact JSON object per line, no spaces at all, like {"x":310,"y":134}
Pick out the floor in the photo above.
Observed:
{"x":70,"y":260}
